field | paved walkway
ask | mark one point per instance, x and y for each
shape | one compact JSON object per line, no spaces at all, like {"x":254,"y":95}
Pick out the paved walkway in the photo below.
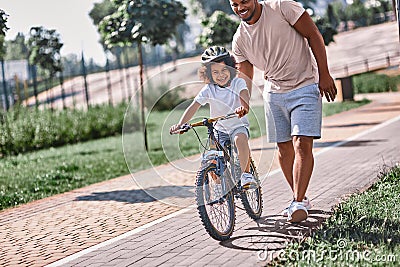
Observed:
{"x":115,"y":223}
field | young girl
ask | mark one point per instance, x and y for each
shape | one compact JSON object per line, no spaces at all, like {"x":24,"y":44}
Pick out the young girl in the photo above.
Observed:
{"x":225,"y":94}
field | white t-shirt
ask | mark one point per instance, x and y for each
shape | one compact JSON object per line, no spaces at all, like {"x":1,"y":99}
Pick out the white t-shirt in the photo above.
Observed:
{"x":224,"y":100}
{"x":275,"y":47}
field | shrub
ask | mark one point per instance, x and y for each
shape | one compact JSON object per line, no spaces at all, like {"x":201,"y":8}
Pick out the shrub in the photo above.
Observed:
{"x":374,"y":83}
{"x":26,"y":129}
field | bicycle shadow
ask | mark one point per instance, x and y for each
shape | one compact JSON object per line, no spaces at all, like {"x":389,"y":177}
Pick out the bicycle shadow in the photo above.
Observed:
{"x":273,"y":232}
{"x":141,"y":195}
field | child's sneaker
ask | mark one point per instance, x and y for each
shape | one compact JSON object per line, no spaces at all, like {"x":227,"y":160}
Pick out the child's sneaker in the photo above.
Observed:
{"x":297,"y":212}
{"x":247,"y":181}
{"x":306,"y":203}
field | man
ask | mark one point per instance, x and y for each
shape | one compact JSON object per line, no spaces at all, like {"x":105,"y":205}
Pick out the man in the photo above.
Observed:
{"x":279,"y":38}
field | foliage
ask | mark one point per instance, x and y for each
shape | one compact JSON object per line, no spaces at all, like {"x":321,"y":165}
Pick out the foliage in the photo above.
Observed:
{"x":3,"y":30}
{"x":162,"y":97}
{"x":209,"y":7}
{"x":17,"y":49}
{"x":217,"y":29}
{"x":101,"y":10}
{"x":307,"y":3}
{"x":25,"y":129}
{"x":326,"y":29}
{"x":141,"y":21}
{"x":357,"y":13}
{"x":373,"y":83}
{"x":44,"y":49}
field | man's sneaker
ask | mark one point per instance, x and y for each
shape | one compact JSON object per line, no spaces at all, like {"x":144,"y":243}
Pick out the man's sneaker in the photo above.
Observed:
{"x":297,"y":212}
{"x":247,"y":181}
{"x":306,"y":203}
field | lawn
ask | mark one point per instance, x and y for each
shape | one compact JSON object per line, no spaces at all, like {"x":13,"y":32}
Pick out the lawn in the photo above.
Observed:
{"x":47,"y":172}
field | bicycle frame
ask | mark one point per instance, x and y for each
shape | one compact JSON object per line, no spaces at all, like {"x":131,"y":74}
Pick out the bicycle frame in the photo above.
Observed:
{"x":221,"y":155}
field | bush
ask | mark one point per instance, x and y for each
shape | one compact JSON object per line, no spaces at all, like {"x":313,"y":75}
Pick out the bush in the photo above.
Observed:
{"x":374,"y":83}
{"x":162,"y":97}
{"x":24,"y":129}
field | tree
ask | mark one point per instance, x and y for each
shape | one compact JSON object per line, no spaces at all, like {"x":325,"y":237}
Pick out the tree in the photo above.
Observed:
{"x":139,"y":22}
{"x":308,"y":4}
{"x":44,"y":50}
{"x":357,"y":13}
{"x":101,"y":10}
{"x":327,"y":25}
{"x":217,"y":29}
{"x":17,"y":49}
{"x":209,"y":7}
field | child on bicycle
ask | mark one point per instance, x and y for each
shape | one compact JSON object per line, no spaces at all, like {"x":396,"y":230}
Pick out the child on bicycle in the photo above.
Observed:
{"x":225,"y":93}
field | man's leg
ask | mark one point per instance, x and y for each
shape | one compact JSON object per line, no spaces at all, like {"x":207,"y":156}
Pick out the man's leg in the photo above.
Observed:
{"x":286,"y":160}
{"x":303,"y":165}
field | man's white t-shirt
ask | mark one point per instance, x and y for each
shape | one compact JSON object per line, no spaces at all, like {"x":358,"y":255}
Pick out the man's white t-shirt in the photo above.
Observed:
{"x":275,"y":47}
{"x":222,"y":101}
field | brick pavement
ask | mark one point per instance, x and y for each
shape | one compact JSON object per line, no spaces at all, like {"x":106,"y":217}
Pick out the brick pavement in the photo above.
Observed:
{"x":48,"y":230}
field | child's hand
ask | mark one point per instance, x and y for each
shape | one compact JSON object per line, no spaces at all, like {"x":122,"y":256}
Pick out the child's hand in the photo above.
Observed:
{"x":241,"y":111}
{"x":174,"y":128}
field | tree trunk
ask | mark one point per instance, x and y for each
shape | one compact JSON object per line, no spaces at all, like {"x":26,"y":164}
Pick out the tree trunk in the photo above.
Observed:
{"x":110,"y":98}
{"x":141,"y":95}
{"x":85,"y":82}
{"x":5,"y":85}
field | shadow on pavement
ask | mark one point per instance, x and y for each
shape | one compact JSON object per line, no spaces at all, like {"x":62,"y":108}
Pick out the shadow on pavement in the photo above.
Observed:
{"x":274,"y":232}
{"x":350,"y":143}
{"x":352,"y":125}
{"x":139,"y":195}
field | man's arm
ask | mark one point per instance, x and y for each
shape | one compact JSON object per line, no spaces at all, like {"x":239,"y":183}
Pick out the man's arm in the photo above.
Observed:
{"x":246,"y":71}
{"x":307,"y":28}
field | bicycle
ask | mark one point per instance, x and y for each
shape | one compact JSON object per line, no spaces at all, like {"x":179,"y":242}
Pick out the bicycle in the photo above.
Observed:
{"x":218,"y":183}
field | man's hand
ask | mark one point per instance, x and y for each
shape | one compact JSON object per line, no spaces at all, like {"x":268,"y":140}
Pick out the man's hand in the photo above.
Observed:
{"x":241,"y":111}
{"x":327,"y":87}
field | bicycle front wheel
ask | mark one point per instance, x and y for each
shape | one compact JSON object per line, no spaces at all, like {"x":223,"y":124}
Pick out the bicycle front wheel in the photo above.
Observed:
{"x":216,"y":208}
{"x":252,"y":198}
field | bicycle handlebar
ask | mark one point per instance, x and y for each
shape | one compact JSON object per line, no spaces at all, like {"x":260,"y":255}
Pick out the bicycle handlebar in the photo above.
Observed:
{"x":186,"y":127}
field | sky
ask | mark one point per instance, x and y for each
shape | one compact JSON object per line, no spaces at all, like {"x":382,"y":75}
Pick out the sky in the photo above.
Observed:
{"x":70,"y":19}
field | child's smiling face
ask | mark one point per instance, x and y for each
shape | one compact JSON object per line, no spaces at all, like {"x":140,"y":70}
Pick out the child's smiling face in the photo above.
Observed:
{"x":220,"y":73}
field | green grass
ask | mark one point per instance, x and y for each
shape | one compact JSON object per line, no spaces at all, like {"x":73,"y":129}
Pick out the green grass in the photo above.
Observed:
{"x":363,"y":231}
{"x":329,"y":109}
{"x":47,"y":172}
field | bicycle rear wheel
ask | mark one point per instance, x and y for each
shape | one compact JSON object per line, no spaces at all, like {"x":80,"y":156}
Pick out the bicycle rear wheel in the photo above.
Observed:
{"x":216,"y":208}
{"x":252,"y":198}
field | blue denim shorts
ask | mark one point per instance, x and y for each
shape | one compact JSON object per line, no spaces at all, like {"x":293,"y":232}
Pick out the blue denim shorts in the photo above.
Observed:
{"x":295,"y":113}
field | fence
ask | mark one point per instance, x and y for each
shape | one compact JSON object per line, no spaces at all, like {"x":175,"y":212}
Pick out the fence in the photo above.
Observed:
{"x":373,"y":63}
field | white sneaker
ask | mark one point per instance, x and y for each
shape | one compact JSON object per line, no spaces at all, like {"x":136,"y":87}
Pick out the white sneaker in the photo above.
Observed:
{"x":297,"y":212}
{"x":247,"y":180}
{"x":306,"y":203}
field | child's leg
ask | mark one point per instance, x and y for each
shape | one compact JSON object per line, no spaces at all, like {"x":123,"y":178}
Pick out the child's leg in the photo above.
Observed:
{"x":242,"y":145}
